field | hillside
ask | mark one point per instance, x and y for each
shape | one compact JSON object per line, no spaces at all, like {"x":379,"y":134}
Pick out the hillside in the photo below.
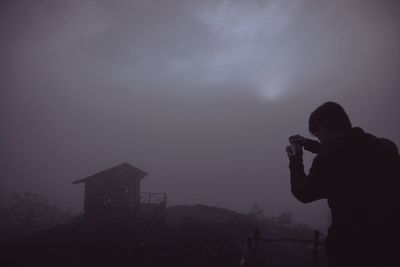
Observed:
{"x":189,"y":236}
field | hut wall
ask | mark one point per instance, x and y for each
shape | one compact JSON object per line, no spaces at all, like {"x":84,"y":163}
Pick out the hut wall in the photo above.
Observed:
{"x":134,"y":194}
{"x":105,"y":196}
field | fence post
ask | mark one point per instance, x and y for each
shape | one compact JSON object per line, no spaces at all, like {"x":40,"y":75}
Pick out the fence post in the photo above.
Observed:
{"x":315,"y":248}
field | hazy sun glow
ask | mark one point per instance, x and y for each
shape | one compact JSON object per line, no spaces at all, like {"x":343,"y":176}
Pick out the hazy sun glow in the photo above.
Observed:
{"x":243,"y":27}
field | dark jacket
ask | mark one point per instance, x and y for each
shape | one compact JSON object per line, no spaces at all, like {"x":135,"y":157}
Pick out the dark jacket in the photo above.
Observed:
{"x":359,"y":175}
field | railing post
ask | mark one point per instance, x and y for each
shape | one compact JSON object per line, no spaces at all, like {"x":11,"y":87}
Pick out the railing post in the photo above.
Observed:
{"x":315,"y":248}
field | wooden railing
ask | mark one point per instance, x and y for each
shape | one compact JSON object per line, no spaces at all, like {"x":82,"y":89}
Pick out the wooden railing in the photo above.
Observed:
{"x":249,"y":257}
{"x":153,"y":198}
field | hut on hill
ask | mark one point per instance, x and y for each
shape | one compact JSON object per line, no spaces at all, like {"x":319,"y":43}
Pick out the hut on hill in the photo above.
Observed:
{"x":115,"y":192}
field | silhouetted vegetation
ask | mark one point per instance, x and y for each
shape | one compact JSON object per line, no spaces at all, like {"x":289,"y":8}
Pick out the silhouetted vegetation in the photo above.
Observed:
{"x":30,"y":212}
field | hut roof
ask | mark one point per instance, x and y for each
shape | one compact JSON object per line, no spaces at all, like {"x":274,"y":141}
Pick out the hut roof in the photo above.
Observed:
{"x":120,"y":172}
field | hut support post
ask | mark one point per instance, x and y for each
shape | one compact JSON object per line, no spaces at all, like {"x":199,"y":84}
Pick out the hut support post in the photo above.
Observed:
{"x":315,"y":248}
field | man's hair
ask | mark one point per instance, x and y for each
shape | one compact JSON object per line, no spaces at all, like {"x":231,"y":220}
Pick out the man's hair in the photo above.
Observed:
{"x":329,"y":115}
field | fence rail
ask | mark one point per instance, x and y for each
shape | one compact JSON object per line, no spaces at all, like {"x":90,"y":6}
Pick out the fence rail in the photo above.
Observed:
{"x":248,"y":258}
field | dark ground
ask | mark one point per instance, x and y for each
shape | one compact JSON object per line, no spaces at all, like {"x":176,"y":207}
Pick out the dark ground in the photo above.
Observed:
{"x":188,"y":236}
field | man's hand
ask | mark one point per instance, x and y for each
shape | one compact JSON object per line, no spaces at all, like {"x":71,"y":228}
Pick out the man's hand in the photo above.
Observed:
{"x":297,"y":139}
{"x":294,"y":150}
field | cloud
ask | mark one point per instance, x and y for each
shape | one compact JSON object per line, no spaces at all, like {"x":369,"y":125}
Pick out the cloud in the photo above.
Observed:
{"x":247,"y":19}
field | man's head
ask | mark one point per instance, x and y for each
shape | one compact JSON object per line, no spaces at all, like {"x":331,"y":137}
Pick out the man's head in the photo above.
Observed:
{"x":328,"y":120}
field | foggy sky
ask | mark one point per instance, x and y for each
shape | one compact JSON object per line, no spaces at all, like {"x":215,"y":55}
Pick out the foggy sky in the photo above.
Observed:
{"x":202,"y":95}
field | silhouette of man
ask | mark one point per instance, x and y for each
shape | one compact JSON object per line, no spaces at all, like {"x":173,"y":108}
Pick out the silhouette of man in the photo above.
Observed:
{"x":359,"y":175}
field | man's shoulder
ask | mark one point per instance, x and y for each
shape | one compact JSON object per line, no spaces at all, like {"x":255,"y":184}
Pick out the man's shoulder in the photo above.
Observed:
{"x":389,"y":146}
{"x":384,"y":145}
